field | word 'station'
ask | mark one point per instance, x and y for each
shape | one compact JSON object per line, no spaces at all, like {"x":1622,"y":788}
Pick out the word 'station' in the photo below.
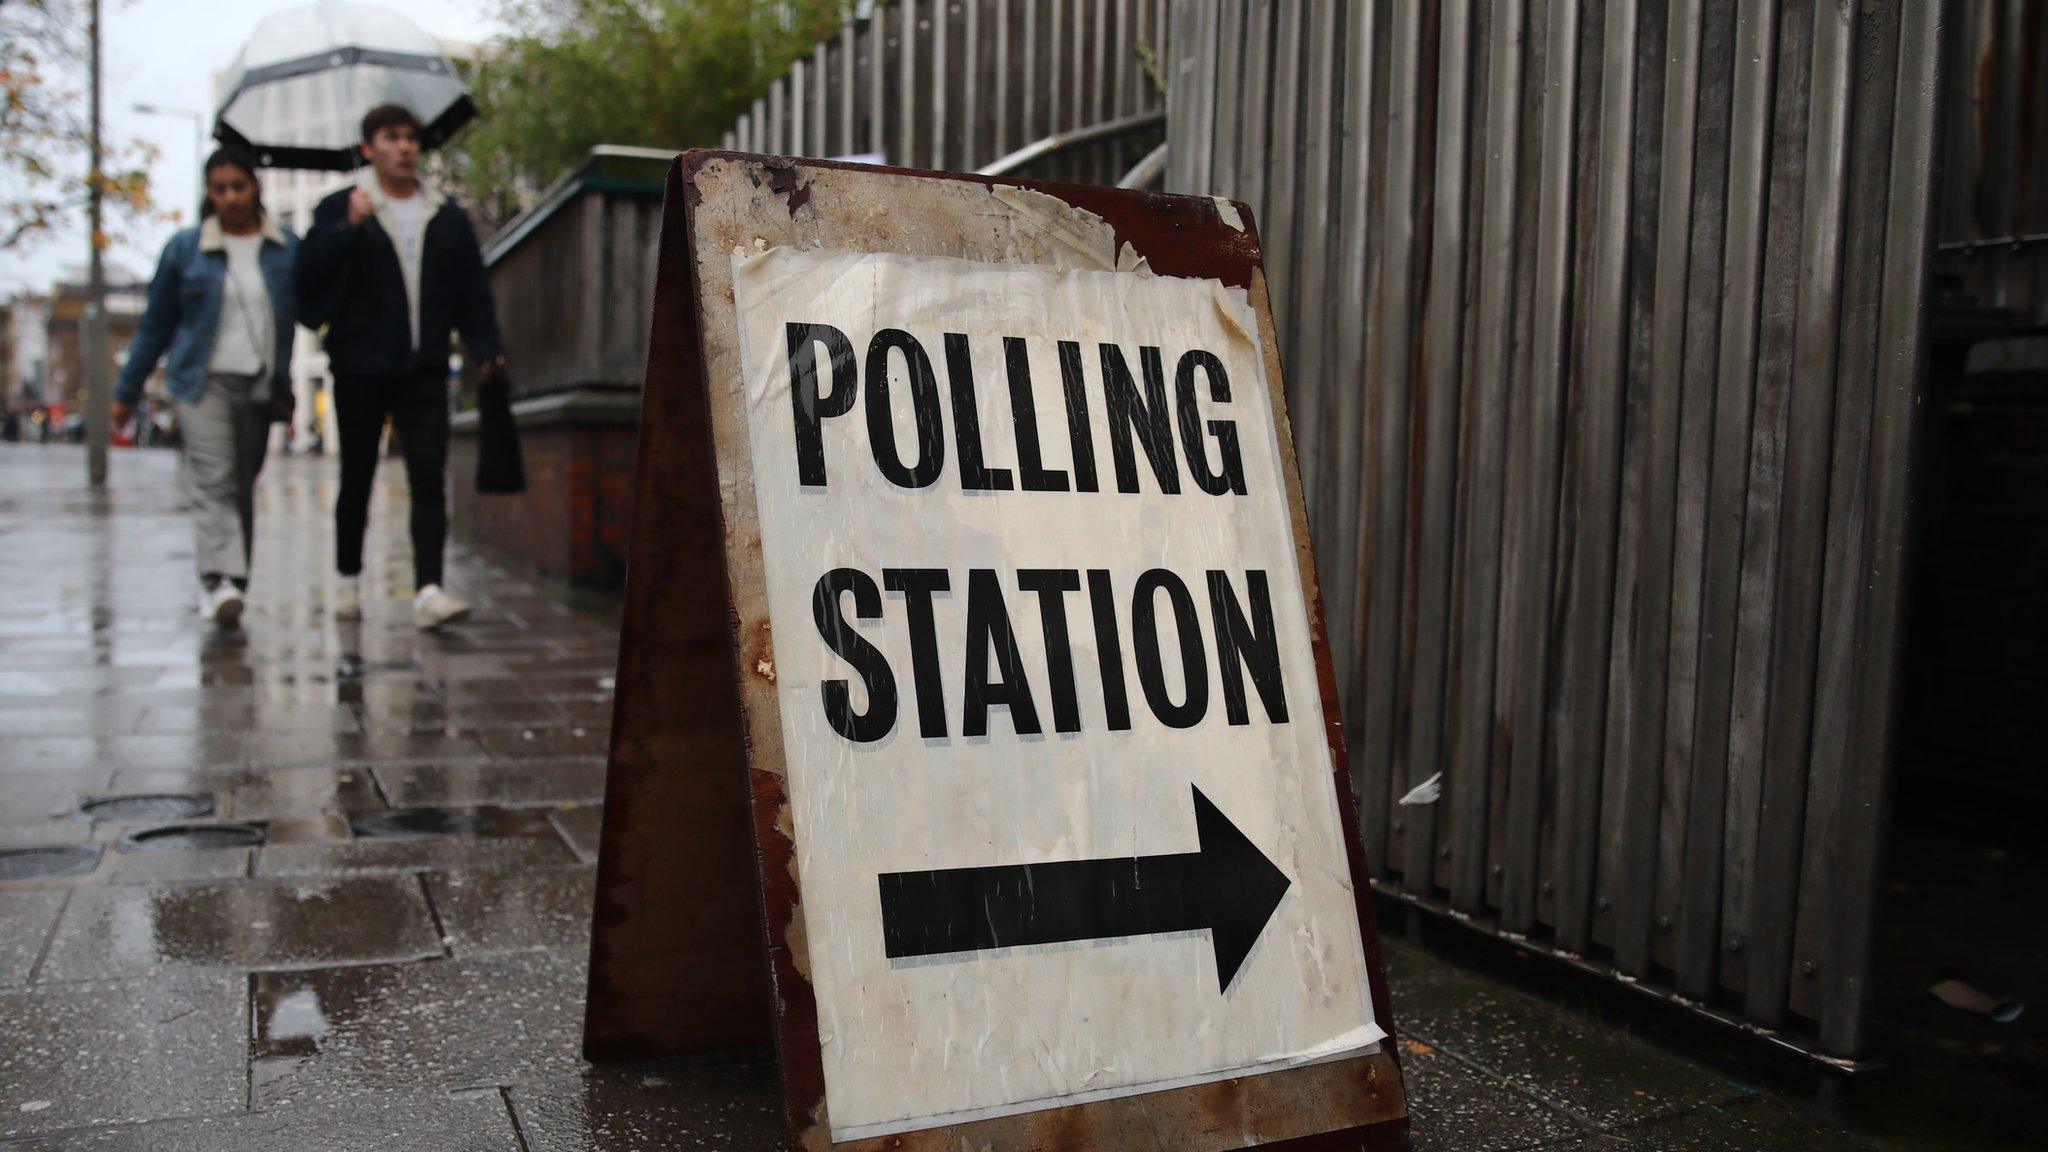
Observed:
{"x":1062,"y":797}
{"x":1138,"y":417}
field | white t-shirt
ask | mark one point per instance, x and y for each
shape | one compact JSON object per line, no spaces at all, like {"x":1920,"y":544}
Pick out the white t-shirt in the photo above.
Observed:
{"x":409,"y":215}
{"x":243,"y":343}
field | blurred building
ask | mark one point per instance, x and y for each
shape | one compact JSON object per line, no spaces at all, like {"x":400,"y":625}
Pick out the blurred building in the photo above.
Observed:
{"x":64,"y":337}
{"x":24,"y":355}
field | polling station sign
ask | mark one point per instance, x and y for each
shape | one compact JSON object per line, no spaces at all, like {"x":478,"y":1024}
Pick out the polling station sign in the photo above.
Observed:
{"x":1049,"y":807}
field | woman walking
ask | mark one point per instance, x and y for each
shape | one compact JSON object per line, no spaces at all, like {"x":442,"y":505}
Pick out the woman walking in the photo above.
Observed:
{"x":220,"y":315}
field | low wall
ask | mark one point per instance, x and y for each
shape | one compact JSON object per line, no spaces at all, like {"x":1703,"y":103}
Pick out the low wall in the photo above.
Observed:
{"x":573,"y":519}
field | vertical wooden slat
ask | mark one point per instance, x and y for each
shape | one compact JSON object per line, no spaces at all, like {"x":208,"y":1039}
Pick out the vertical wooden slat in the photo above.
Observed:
{"x":1643,"y":621}
{"x":941,"y":81}
{"x":1788,"y":712}
{"x":1587,"y":563}
{"x":1033,"y":92}
{"x":975,"y":80}
{"x":1706,"y":249}
{"x":1702,"y":949}
{"x":907,"y":142}
{"x":1280,"y":211}
{"x":1531,"y":576}
{"x":1823,"y":872}
{"x":1481,"y":477}
{"x":1389,"y":358}
{"x":1763,"y":508}
{"x":1005,"y":84}
{"x":1629,"y":798}
{"x":1310,"y":361}
{"x":798,"y":111}
{"x":849,"y":91}
{"x":1901,"y":361}
{"x":1343,"y":399}
{"x":1254,"y":99}
{"x":1437,"y":421}
{"x":1218,"y":146}
{"x":878,"y":83}
{"x":821,"y":99}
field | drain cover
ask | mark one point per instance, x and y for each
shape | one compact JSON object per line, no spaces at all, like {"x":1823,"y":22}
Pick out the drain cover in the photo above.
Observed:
{"x":418,"y":822}
{"x":169,"y":837}
{"x":38,"y":863}
{"x":148,"y":806}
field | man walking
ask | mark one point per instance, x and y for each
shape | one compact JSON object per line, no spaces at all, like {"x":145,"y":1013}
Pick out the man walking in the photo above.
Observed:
{"x":390,"y":266}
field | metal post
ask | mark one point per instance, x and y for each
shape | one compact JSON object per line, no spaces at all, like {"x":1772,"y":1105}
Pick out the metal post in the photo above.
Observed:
{"x":98,"y":392}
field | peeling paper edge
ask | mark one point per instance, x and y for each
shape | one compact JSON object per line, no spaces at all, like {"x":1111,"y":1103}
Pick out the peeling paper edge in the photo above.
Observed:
{"x":1363,"y":1040}
{"x":1077,"y":231}
{"x":1228,"y":211}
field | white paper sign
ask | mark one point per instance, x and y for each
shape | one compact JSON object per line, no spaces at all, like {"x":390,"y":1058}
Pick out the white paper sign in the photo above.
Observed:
{"x":1064,"y":811}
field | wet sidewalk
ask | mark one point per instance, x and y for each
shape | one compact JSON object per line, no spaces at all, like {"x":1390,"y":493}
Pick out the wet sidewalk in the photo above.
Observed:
{"x":340,"y":895}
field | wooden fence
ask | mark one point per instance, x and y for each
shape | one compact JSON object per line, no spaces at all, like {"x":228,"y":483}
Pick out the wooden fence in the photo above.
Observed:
{"x":1603,"y":327}
{"x":959,"y":84}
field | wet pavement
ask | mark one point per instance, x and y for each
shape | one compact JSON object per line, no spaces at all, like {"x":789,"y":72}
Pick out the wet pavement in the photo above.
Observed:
{"x":399,"y":962}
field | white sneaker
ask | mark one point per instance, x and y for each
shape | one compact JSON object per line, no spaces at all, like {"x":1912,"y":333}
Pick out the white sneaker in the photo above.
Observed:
{"x":433,"y":608}
{"x":221,"y":604}
{"x":348,"y":598}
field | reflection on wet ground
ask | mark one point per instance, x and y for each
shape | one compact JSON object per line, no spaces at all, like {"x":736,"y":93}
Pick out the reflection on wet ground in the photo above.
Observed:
{"x":400,"y":962}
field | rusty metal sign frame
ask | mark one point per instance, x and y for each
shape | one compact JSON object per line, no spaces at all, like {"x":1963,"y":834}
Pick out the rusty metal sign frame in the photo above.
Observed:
{"x":698,"y":894}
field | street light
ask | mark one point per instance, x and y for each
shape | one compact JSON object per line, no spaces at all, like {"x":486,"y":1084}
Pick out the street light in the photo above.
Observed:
{"x":198,"y":120}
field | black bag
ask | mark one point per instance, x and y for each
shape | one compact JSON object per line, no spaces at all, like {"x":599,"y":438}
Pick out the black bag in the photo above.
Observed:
{"x":499,"y":468}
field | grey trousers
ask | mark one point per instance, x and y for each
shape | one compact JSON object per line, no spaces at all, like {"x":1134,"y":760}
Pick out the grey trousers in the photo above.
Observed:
{"x":225,"y":439}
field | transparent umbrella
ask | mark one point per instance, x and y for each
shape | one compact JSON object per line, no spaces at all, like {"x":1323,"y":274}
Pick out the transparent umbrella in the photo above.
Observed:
{"x":299,"y":87}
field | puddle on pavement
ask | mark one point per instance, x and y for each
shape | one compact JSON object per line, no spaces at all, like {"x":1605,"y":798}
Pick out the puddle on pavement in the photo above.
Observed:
{"x":176,"y":837}
{"x":481,"y":821}
{"x":148,"y":806}
{"x":44,"y":863}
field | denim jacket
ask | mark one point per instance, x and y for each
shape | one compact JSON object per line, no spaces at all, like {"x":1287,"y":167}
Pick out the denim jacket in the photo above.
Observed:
{"x":184,"y":309}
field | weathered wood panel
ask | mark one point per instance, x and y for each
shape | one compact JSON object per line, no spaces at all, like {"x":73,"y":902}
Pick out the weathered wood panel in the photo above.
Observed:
{"x":1603,"y":320}
{"x":959,"y":84}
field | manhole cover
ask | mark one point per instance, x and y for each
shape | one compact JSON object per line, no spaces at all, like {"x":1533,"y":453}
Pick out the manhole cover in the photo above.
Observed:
{"x":148,"y":806}
{"x":418,"y":822}
{"x":38,"y":863}
{"x":172,"y":837}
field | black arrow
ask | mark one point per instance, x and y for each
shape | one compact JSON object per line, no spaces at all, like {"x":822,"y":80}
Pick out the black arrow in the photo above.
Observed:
{"x":1227,"y":887}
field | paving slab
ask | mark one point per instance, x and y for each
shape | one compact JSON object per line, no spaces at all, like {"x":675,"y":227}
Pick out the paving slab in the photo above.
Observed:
{"x":147,"y":867}
{"x":428,"y":715}
{"x":734,"y":1107}
{"x":27,"y":797}
{"x":505,"y":785}
{"x":1599,"y":1076}
{"x":471,"y":1123}
{"x":441,"y":1025}
{"x":1758,"y":1124}
{"x":73,"y":1055}
{"x":1454,"y":1107}
{"x":487,"y":910}
{"x":102,"y":753}
{"x":392,"y":855}
{"x":566,"y":741}
{"x":581,"y":827}
{"x":246,"y":924}
{"x":26,"y":919}
{"x":302,"y":749}
{"x":262,"y":794}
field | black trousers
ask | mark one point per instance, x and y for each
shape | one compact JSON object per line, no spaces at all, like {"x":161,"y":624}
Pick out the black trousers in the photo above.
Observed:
{"x":418,"y":407}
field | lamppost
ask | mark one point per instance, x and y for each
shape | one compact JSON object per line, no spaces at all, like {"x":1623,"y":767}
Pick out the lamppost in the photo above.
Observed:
{"x":198,"y":120}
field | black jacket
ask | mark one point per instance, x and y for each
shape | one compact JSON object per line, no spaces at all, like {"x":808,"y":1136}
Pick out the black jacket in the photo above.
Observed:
{"x":350,"y":282}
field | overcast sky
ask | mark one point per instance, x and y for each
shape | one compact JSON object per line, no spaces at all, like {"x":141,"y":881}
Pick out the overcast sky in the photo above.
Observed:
{"x":165,"y":52}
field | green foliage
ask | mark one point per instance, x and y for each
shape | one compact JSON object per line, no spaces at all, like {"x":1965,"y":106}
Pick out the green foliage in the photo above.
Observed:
{"x":45,"y":137}
{"x":654,"y":73}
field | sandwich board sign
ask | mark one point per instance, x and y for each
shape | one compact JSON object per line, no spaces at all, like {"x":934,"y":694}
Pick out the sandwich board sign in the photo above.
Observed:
{"x":976,"y":736}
